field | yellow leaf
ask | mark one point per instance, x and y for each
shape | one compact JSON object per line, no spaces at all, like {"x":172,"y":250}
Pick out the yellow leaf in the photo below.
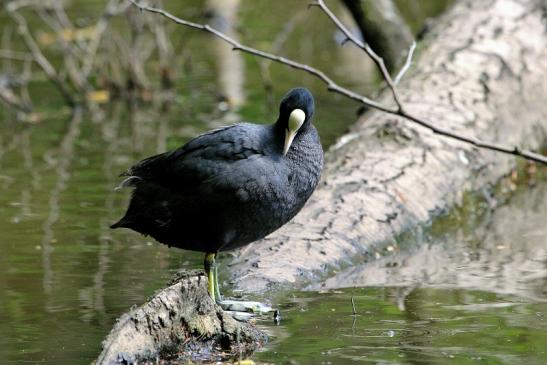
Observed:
{"x":246,"y":362}
{"x":98,"y":96}
{"x":68,"y":35}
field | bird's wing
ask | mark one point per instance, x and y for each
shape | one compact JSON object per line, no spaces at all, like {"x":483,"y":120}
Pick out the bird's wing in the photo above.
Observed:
{"x":202,"y":159}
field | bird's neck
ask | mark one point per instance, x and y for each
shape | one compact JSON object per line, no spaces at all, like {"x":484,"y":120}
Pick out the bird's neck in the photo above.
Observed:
{"x":305,"y":148}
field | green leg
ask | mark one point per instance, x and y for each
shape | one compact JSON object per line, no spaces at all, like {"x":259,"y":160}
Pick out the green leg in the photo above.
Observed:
{"x":210,"y":269}
{"x":213,"y":288}
{"x":217,"y":287}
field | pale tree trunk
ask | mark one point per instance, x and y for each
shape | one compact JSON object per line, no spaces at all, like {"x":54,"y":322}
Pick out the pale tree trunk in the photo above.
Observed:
{"x":482,"y":72}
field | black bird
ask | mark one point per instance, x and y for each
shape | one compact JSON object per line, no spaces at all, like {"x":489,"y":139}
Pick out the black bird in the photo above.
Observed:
{"x":228,"y":187}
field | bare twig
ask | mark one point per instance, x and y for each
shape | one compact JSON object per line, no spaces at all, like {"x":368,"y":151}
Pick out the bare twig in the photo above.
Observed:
{"x":113,"y":7}
{"x":78,"y":80}
{"x":8,"y":97}
{"x":354,"y":314}
{"x":138,"y":53}
{"x":379,"y":61}
{"x":37,"y":54}
{"x":26,"y":75}
{"x":407,"y":64}
{"x":332,"y":86}
{"x":402,"y":112}
{"x":81,"y":51}
{"x":165,"y":53}
{"x":15,"y":55}
{"x":22,"y":101}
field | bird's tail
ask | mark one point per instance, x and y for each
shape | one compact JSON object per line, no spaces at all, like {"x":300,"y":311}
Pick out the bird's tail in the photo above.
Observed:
{"x":130,"y":181}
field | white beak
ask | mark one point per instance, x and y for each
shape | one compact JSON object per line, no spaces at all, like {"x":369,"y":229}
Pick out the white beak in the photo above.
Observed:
{"x":289,"y":137}
{"x":296,"y":119}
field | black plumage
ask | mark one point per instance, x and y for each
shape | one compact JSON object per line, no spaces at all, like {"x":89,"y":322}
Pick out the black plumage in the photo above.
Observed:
{"x":230,"y":186}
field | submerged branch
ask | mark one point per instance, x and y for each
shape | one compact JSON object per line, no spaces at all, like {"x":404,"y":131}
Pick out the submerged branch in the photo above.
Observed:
{"x":334,"y":87}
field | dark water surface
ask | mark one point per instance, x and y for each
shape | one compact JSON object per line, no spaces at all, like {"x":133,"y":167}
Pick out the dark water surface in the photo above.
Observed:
{"x":409,"y":326}
{"x":474,"y":292}
{"x":65,"y":277}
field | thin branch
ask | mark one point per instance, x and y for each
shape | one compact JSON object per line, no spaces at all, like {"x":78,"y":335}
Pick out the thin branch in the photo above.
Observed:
{"x":402,"y":112}
{"x":165,"y":52}
{"x":511,"y":150}
{"x":407,"y":64}
{"x":379,"y":61}
{"x":37,"y":54}
{"x":332,"y":86}
{"x":8,"y":97}
{"x":113,"y":8}
{"x":26,"y":75}
{"x":15,"y":55}
{"x":79,"y":82}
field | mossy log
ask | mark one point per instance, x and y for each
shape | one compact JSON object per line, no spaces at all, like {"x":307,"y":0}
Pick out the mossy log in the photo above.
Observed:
{"x":481,"y":72}
{"x":180,"y":321}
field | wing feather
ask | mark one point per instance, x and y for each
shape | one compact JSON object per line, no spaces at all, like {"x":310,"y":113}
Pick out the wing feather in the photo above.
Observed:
{"x":201,"y":159}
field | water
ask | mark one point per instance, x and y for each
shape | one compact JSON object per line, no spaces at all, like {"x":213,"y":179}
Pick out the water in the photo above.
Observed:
{"x":409,"y":326}
{"x":471,"y":293}
{"x":65,"y":277}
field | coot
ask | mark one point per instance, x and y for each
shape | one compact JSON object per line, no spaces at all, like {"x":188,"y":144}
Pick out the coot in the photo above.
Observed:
{"x":228,"y":187}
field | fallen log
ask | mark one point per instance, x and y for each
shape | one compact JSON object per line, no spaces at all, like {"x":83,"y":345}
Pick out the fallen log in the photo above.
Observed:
{"x":180,"y":322}
{"x":504,"y":252}
{"x":481,"y":72}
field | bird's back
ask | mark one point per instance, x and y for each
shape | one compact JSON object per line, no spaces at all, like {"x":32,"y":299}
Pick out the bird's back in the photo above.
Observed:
{"x":221,"y":190}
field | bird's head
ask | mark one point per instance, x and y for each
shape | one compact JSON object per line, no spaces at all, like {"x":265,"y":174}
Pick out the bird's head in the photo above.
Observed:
{"x":295,"y":114}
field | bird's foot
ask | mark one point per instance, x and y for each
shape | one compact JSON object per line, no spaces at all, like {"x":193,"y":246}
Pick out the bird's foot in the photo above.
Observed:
{"x":241,"y":316}
{"x":245,"y":306}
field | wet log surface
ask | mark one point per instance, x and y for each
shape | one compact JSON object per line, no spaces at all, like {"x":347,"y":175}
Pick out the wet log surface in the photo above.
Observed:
{"x":481,"y":71}
{"x":502,"y":251}
{"x":180,"y":322}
